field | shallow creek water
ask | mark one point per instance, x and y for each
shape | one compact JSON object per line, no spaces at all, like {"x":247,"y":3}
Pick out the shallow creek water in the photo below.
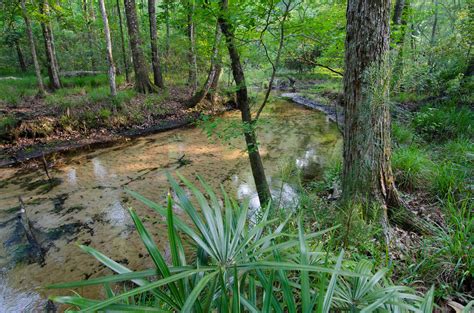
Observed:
{"x":89,"y":205}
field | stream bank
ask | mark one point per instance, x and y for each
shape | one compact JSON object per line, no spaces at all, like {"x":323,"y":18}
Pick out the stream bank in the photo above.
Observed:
{"x":87,"y":204}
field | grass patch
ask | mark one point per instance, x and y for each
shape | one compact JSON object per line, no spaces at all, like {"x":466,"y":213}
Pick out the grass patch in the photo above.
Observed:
{"x":412,"y":168}
{"x":443,"y":123}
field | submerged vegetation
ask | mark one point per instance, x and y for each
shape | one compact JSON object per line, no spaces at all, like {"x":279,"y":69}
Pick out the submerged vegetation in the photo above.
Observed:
{"x":385,"y":225}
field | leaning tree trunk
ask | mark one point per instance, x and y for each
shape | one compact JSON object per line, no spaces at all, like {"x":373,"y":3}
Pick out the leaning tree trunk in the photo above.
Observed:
{"x":122,"y":38}
{"x":53,"y":71}
{"x":108,"y":44}
{"x":192,"y":75}
{"x":33,"y":48}
{"x":213,"y":71}
{"x":155,"y":58}
{"x":367,"y":173}
{"x":212,"y":93}
{"x":243,"y":102}
{"x":142,"y":81}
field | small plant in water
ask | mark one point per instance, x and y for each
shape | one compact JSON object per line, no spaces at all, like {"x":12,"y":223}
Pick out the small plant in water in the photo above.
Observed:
{"x":240,"y":266}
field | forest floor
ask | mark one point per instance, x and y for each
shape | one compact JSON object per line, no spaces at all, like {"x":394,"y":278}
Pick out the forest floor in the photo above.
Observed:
{"x":82,"y":114}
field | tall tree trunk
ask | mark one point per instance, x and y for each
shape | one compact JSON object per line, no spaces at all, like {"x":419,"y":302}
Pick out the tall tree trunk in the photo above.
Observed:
{"x":398,"y":11}
{"x":367,"y":173}
{"x":142,"y":81}
{"x":433,"y":36}
{"x":192,"y":76}
{"x":33,"y":48}
{"x":243,"y":102}
{"x":122,"y":38}
{"x":167,"y":24}
{"x":212,"y":93}
{"x":108,"y":44}
{"x":90,"y":39}
{"x":213,"y":71}
{"x":155,"y":57}
{"x":53,"y":71}
{"x":400,"y":23}
{"x":21,"y":58}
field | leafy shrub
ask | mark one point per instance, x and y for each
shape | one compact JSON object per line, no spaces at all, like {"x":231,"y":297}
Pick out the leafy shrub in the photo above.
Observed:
{"x":401,"y":134}
{"x":104,"y":113}
{"x":412,"y":168}
{"x":240,"y":266}
{"x":444,"y":123}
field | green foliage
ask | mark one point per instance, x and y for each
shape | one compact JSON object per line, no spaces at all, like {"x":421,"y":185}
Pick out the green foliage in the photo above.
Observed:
{"x":447,"y":122}
{"x":238,"y":266}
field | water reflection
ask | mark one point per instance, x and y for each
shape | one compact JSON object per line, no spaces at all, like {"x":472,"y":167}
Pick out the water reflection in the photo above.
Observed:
{"x":12,"y":300}
{"x":100,"y":171}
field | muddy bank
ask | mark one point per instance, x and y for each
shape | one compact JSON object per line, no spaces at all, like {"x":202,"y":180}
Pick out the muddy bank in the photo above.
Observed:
{"x":10,"y":157}
{"x":334,"y":113}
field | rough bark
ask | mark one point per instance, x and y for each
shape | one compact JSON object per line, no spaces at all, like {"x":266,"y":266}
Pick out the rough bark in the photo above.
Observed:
{"x":34,"y":56}
{"x":122,"y":38}
{"x":398,"y":11}
{"x":243,"y":102}
{"x":108,"y":44}
{"x":367,"y":173}
{"x":142,"y":81}
{"x":53,"y":71}
{"x":155,"y":58}
{"x":213,"y":71}
{"x":192,"y":75}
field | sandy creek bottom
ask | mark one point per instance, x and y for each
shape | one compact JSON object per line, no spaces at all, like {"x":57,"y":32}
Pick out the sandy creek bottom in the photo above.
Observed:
{"x":89,"y":205}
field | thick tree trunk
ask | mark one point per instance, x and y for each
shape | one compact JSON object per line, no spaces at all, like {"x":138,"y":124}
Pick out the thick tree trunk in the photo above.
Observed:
{"x":155,"y":58}
{"x":142,"y":81}
{"x":33,"y":48}
{"x":243,"y":102}
{"x":53,"y":71}
{"x":213,"y":71}
{"x":122,"y":38}
{"x":367,"y":173}
{"x":21,"y":58}
{"x":192,"y":76}
{"x":108,"y":44}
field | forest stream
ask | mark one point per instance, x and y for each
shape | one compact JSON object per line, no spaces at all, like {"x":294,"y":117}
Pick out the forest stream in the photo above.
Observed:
{"x":86,"y":203}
